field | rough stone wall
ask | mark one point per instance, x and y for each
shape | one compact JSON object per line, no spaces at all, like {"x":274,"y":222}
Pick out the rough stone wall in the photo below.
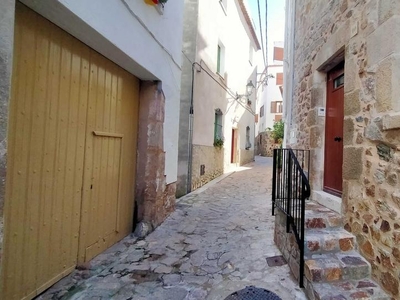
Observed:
{"x":213,"y":160}
{"x":286,"y":242}
{"x":155,"y":200}
{"x":7,"y":12}
{"x":366,"y":35}
{"x":266,"y":144}
{"x":246,"y":156}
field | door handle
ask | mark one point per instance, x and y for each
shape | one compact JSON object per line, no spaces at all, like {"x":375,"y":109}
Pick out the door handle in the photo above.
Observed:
{"x":337,"y":139}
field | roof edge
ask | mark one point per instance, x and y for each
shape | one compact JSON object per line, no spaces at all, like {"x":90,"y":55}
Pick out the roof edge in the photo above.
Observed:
{"x":249,"y":23}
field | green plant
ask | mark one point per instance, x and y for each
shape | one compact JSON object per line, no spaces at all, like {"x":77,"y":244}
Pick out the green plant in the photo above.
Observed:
{"x":219,"y":143}
{"x":278,"y":131}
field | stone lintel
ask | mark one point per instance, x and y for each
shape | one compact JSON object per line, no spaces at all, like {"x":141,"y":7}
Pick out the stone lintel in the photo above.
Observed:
{"x":332,"y":52}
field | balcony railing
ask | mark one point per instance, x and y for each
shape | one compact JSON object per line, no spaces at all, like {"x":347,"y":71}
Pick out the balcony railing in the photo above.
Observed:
{"x":290,"y":189}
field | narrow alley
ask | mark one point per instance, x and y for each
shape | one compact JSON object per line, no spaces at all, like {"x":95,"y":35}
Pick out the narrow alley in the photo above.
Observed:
{"x":215,"y":243}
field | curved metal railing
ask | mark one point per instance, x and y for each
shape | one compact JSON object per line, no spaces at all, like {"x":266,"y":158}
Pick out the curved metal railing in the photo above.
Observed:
{"x":290,"y":189}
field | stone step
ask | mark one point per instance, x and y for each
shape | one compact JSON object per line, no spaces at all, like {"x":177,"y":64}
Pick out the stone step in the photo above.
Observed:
{"x":349,"y":290}
{"x":333,"y":269}
{"x":336,"y":267}
{"x":330,"y":201}
{"x":328,"y":240}
{"x":320,"y":217}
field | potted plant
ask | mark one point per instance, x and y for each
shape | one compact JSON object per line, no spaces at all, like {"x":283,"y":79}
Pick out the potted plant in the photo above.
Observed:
{"x":219,"y":142}
{"x":156,"y":2}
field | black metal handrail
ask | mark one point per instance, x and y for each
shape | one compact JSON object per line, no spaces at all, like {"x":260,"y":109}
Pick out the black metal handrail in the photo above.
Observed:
{"x":290,"y":189}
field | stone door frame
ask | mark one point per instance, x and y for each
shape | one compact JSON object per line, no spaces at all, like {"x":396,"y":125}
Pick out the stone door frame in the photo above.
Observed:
{"x":332,"y":53}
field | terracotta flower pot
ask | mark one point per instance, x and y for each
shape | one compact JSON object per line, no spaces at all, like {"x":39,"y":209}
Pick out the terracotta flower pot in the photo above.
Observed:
{"x":151,"y":2}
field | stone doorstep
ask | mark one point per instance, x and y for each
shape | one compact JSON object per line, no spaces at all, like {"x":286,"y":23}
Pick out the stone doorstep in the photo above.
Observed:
{"x":327,"y":200}
{"x":336,"y":266}
{"x":349,"y":290}
{"x":328,"y":240}
{"x":320,"y":217}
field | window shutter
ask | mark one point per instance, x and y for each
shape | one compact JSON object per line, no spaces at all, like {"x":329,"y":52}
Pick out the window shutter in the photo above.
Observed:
{"x":278,"y":53}
{"x":273,"y":107}
{"x":279,"y":78}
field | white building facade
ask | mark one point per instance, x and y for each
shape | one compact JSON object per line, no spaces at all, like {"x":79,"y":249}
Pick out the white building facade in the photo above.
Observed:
{"x":270,"y":105}
{"x":220,"y":43}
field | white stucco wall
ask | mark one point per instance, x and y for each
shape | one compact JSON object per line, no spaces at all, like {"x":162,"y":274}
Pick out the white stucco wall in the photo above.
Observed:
{"x":288,"y":63}
{"x":215,"y":26}
{"x":271,"y":92}
{"x":136,"y":37}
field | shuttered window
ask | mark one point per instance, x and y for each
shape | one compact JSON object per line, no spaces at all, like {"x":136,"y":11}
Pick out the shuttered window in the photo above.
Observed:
{"x":218,"y":125}
{"x":276,"y":107}
{"x":279,"y":78}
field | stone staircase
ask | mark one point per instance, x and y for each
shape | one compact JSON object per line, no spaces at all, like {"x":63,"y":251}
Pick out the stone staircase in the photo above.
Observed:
{"x":334,"y":270}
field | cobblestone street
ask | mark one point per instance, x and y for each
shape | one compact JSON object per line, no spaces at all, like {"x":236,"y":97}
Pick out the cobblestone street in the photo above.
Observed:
{"x":215,"y":243}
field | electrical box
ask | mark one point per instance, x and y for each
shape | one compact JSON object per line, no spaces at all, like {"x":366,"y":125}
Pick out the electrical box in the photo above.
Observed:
{"x":321,"y":111}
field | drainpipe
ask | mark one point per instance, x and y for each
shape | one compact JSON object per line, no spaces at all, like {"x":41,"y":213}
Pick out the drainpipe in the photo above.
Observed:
{"x":190,"y":142}
{"x":293,"y":46}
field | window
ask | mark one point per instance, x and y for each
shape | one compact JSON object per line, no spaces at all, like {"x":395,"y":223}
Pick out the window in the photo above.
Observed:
{"x":220,"y":59}
{"x":262,"y":111}
{"x":218,"y":125}
{"x":338,"y":82}
{"x":279,"y":78}
{"x":248,"y":144}
{"x":276,"y":107}
{"x":278,"y":53}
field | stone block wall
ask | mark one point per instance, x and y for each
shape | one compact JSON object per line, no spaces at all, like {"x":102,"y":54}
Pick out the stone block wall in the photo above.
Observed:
{"x":286,"y":243}
{"x":155,"y":199}
{"x":266,"y":144}
{"x":213,"y":160}
{"x":365,"y":34}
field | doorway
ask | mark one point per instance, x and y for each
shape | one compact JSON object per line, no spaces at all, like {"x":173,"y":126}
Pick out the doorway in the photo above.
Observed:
{"x":234,"y":146}
{"x":334,"y":131}
{"x":71,"y":156}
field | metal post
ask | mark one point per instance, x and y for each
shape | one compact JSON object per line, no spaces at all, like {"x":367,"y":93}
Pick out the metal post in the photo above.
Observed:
{"x":274,"y":180}
{"x":301,"y":245}
{"x":289,"y":185}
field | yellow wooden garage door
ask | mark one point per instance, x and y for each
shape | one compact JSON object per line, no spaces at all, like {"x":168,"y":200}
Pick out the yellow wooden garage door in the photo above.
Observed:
{"x":71,"y":156}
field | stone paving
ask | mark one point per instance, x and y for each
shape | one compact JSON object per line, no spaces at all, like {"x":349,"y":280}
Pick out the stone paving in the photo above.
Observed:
{"x":215,"y":243}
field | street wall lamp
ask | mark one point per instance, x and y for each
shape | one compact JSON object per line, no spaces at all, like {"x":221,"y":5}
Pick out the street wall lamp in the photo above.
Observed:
{"x":249,"y":88}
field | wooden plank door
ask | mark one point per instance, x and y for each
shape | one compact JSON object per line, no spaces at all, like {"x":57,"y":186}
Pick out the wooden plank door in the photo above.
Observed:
{"x":110,"y":157}
{"x":58,"y":83}
{"x":46,"y":137}
{"x":334,"y":132}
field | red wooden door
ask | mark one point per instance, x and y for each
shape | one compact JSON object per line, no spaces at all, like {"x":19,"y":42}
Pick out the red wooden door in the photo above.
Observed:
{"x":334,"y":132}
{"x":233,"y":146}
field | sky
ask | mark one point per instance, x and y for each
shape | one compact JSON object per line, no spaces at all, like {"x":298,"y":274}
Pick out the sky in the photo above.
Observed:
{"x":276,"y":23}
